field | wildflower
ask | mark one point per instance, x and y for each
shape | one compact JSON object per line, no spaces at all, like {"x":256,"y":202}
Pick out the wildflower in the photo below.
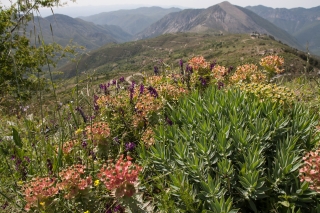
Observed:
{"x":98,"y":131}
{"x":130,"y":146}
{"x":212,"y":65}
{"x":42,"y":204}
{"x":73,"y":180}
{"x":121,"y":79}
{"x":156,"y":70}
{"x":153,"y":91}
{"x":121,"y":177}
{"x":141,"y":90}
{"x":272,"y":64}
{"x":86,"y":211}
{"x":5,"y":205}
{"x":220,"y":85}
{"x":78,"y":131}
{"x":96,"y":182}
{"x":181,"y":63}
{"x":39,"y":190}
{"x":148,"y":137}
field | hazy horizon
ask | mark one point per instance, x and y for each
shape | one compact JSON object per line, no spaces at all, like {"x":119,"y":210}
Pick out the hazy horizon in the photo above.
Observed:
{"x":89,"y":7}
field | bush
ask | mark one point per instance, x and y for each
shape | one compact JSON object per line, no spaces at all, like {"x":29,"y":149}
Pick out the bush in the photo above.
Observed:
{"x":228,"y":151}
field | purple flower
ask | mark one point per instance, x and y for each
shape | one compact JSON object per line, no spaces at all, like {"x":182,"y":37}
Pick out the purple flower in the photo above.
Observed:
{"x":130,"y":146}
{"x":95,"y":104}
{"x":5,"y":205}
{"x":230,"y":69}
{"x":203,"y":81}
{"x":131,"y":90}
{"x":153,"y":91}
{"x":181,"y":63}
{"x":118,"y":208}
{"x":169,"y":122}
{"x":141,"y":89}
{"x":114,"y":82}
{"x":121,"y":79}
{"x":84,"y":144}
{"x":220,"y":85}
{"x":212,"y":65}
{"x":116,"y":140}
{"x":156,"y":70}
{"x":188,"y":69}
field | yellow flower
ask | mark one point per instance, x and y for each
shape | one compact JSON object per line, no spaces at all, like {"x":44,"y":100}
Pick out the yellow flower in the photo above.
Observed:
{"x":96,"y":182}
{"x":87,"y":211}
{"x":78,"y":131}
{"x":42,"y":203}
{"x":20,"y":183}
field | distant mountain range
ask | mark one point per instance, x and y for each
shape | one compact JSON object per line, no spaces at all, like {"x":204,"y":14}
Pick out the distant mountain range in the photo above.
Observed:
{"x":65,"y":28}
{"x":132,"y":21}
{"x":303,"y":24}
{"x":223,"y":18}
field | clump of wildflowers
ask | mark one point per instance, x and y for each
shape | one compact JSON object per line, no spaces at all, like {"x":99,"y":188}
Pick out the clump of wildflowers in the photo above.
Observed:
{"x":69,"y":146}
{"x":120,"y":177}
{"x":74,"y":181}
{"x":198,"y":62}
{"x":272,"y":64}
{"x":310,"y":172}
{"x":148,"y":137}
{"x":247,"y":73}
{"x":282,"y":95}
{"x":40,"y":190}
{"x":98,"y":131}
{"x":219,"y":72}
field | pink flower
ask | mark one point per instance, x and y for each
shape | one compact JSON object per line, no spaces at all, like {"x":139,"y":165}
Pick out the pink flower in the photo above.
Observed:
{"x":120,"y":176}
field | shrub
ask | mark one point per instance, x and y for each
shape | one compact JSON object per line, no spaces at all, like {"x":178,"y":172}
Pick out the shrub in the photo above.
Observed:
{"x":227,"y":150}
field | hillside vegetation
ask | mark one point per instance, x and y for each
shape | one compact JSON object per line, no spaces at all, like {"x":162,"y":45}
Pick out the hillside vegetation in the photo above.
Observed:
{"x":301,"y":23}
{"x":142,"y":55}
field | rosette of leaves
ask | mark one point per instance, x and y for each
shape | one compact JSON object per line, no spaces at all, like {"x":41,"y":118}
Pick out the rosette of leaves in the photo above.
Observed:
{"x":227,"y":152}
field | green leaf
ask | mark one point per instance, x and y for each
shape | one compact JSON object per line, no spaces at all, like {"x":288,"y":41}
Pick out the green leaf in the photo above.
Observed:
{"x":16,"y":137}
{"x":285,"y":203}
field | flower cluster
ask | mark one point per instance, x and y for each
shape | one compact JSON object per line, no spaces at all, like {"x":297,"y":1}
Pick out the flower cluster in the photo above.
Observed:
{"x":247,"y":73}
{"x":147,"y":137}
{"x":73,"y":180}
{"x":120,"y":177}
{"x":282,"y":95}
{"x":198,"y":62}
{"x":272,"y":64}
{"x":39,"y":190}
{"x":69,"y":146}
{"x":219,"y":72}
{"x":98,"y":131}
{"x":310,"y":172}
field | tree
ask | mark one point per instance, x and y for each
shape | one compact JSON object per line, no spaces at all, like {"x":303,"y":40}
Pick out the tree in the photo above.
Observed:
{"x":21,"y":64}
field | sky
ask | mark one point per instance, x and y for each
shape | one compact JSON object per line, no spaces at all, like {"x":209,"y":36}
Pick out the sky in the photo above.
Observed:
{"x":91,"y":7}
{"x":196,"y":3}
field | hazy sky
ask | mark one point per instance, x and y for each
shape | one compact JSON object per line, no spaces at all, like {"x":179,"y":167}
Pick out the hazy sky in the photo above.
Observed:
{"x":197,"y":3}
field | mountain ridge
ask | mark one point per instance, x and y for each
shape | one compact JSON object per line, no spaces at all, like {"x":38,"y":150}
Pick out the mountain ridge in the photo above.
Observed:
{"x":223,"y":17}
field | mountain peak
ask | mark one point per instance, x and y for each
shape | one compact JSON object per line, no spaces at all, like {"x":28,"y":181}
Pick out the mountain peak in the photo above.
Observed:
{"x":225,"y":3}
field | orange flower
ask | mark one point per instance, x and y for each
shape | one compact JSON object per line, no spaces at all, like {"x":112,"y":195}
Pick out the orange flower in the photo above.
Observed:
{"x":39,"y":190}
{"x":120,"y":177}
{"x":73,"y":180}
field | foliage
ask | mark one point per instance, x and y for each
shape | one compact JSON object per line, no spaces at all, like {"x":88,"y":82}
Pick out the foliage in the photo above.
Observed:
{"x":230,"y":145}
{"x":181,"y":140}
{"x":21,"y":63}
